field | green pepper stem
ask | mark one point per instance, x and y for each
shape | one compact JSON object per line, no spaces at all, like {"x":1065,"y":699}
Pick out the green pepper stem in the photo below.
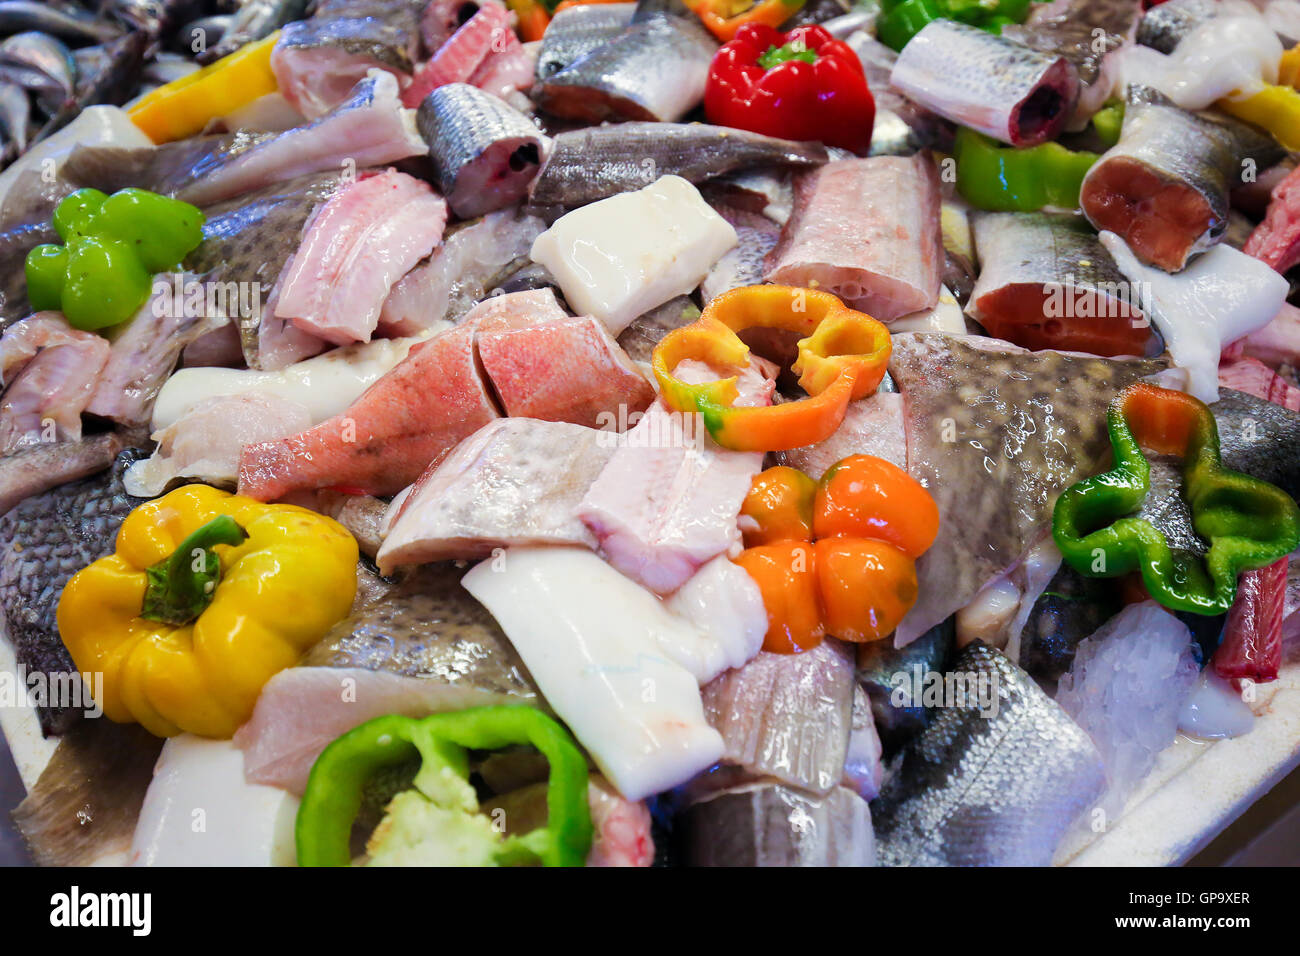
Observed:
{"x":776,"y":55}
{"x":181,"y":587}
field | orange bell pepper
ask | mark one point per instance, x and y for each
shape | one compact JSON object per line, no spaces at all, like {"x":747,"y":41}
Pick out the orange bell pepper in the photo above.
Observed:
{"x":724,"y":17}
{"x":531,"y":18}
{"x":842,"y":357}
{"x":867,"y":497}
{"x":779,"y":507}
{"x":787,"y":576}
{"x":865,"y":586}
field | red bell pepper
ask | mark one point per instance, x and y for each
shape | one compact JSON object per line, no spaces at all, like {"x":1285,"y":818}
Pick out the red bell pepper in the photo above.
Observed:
{"x":801,"y":85}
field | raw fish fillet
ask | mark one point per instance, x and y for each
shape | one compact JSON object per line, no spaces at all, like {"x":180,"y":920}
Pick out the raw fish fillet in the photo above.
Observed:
{"x":409,"y":419}
{"x":461,"y":55}
{"x":669,"y":499}
{"x":868,"y":231}
{"x":994,"y":780}
{"x":1276,"y":240}
{"x":358,"y":244}
{"x":995,"y":434}
{"x":871,"y":426}
{"x":514,"y":481}
{"x":51,"y":370}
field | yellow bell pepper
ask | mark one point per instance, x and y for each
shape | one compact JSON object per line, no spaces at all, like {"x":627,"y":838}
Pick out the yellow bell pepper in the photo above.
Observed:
{"x":1275,"y":108}
{"x":184,"y":107}
{"x":1288,"y":68}
{"x":207,"y":597}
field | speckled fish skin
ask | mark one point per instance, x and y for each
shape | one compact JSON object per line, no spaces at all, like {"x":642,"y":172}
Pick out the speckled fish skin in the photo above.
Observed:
{"x":1028,"y":258}
{"x":47,"y":539}
{"x":595,"y":162}
{"x":1068,"y":28}
{"x":1169,"y":160}
{"x":655,"y":70}
{"x":1024,"y":427}
{"x":250,"y":239}
{"x":370,"y":37}
{"x":1004,"y":89}
{"x":1259,"y":438}
{"x":646,"y":331}
{"x":254,"y":20}
{"x":768,"y":824}
{"x":484,"y":151}
{"x":1163,"y":26}
{"x":879,"y":661}
{"x":575,"y":32}
{"x":981,"y":791}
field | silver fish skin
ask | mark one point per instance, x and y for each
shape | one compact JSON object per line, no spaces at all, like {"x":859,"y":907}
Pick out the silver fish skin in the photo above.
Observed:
{"x":575,"y":32}
{"x":15,"y":113}
{"x":1163,"y":27}
{"x":1003,"y":89}
{"x":254,"y":20}
{"x":484,"y":151}
{"x":600,"y":161}
{"x":1030,"y":257}
{"x":655,"y":70}
{"x":1259,"y":438}
{"x":107,"y":74}
{"x":40,"y":64}
{"x":878,"y":664}
{"x":980,"y":790}
{"x":357,"y":36}
{"x":769,"y":824}
{"x":646,"y":331}
{"x":59,"y":18}
{"x":743,"y":264}
{"x":1164,"y":186}
{"x":155,"y":18}
{"x":46,"y":539}
{"x":1027,"y":426}
{"x":38,"y":468}
{"x":902,"y":127}
{"x":787,"y":716}
{"x":1069,"y":28}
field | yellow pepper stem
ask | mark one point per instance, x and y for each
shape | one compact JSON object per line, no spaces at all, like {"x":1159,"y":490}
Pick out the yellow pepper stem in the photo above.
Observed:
{"x":182,"y":586}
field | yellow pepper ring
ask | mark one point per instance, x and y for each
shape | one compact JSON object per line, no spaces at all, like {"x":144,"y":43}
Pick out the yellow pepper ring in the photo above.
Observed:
{"x":842,"y":356}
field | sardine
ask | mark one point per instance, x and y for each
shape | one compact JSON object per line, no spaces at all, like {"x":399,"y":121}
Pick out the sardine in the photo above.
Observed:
{"x":1003,"y":89}
{"x":993,"y":780}
{"x":84,"y":806}
{"x":1163,"y":26}
{"x":485,"y":152}
{"x":40,"y":64}
{"x":48,"y":538}
{"x":1164,"y":186}
{"x":787,"y":716}
{"x":154,"y":18}
{"x":593,"y":163}
{"x":1047,"y":283}
{"x":769,"y":824}
{"x":15,"y":114}
{"x":1086,"y":33}
{"x":60,"y":18}
{"x":576,"y":31}
{"x":655,"y":70}
{"x":992,"y":439}
{"x":887,"y":674}
{"x":254,"y":20}
{"x":426,"y":647}
{"x":109,"y":73}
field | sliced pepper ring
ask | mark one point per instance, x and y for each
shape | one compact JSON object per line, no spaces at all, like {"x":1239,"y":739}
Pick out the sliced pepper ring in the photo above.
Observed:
{"x":1249,"y":523}
{"x":441,"y":741}
{"x":842,"y":356}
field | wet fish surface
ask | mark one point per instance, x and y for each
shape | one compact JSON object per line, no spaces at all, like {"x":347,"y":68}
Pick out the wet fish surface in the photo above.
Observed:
{"x":577,"y":31}
{"x":1163,"y":26}
{"x":975,"y":790}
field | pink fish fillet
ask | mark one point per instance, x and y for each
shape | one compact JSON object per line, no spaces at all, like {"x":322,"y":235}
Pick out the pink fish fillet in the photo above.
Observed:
{"x":516,"y":481}
{"x":622,"y":828}
{"x":359,"y":243}
{"x":669,"y":498}
{"x":409,"y":419}
{"x":868,"y":231}
{"x":50,"y":370}
{"x":512,"y":67}
{"x":549,"y":365}
{"x":872,"y":426}
{"x":462,"y":54}
{"x":1276,"y":240}
{"x":1275,"y":344}
{"x":1255,"y":378}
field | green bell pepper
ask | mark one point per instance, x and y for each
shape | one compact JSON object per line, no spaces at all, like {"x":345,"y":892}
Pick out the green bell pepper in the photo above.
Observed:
{"x":1248,"y":523}
{"x":335,"y":788}
{"x":1006,"y":179}
{"x":113,"y":245}
{"x":900,"y":20}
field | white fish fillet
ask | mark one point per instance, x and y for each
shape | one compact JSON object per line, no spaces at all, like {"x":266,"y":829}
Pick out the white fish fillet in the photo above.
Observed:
{"x":594,"y":643}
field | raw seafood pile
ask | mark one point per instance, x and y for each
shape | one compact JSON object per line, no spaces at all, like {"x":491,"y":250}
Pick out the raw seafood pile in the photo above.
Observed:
{"x":455,"y":432}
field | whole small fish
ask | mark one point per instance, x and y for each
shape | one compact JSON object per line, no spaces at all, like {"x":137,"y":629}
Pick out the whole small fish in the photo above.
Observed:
{"x":590,"y":164}
{"x":1047,"y":283}
{"x":48,"y":538}
{"x":40,"y":64}
{"x":38,"y":468}
{"x":484,"y":151}
{"x":58,"y":18}
{"x":992,"y":781}
{"x":254,"y":20}
{"x":1003,"y":89}
{"x":15,"y":113}
{"x":654,"y":70}
{"x":1164,"y":186}
{"x":156,"y":18}
{"x":109,"y":73}
{"x":769,"y":824}
{"x":1163,"y":26}
{"x":576,"y":31}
